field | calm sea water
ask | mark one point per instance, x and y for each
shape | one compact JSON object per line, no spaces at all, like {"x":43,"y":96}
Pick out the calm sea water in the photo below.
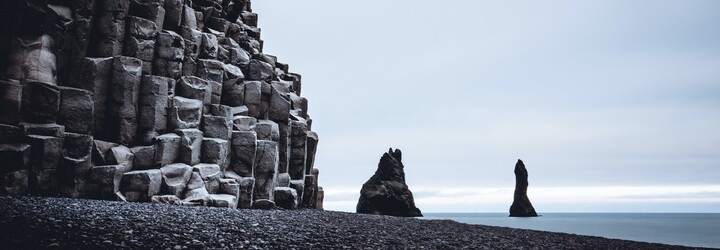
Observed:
{"x":692,"y":229}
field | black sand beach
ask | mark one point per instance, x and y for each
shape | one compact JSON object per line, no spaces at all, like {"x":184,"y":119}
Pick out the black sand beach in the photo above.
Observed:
{"x":39,"y":223}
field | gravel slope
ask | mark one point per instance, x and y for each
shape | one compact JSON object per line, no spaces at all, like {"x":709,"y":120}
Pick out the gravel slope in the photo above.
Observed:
{"x":36,"y":222}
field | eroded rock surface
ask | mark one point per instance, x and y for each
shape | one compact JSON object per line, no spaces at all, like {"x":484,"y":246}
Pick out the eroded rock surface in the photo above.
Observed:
{"x":165,"y":101}
{"x":386,"y":192}
{"x":521,"y":206}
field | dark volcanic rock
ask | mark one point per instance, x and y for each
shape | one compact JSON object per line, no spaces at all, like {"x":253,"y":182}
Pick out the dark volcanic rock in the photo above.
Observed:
{"x":386,"y":192}
{"x":104,"y":98}
{"x":43,"y":223}
{"x":521,"y":206}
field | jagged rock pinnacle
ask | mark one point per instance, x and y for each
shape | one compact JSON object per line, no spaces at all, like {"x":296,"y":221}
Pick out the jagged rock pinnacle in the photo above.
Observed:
{"x":386,"y":192}
{"x":521,"y":206}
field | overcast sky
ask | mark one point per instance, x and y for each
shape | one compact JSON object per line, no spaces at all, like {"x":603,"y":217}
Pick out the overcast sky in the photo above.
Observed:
{"x":614,"y":106}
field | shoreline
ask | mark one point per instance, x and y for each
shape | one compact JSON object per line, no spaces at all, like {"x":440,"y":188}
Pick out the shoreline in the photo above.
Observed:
{"x":684,"y":229}
{"x":39,"y":222}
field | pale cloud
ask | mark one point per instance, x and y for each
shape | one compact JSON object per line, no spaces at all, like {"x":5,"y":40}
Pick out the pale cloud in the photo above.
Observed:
{"x":550,"y":199}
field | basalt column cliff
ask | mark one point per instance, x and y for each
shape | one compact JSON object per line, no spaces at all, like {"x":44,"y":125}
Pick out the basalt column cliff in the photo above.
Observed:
{"x":169,"y":101}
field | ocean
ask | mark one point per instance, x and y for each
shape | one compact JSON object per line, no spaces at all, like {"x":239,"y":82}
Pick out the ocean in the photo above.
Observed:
{"x":686,"y":229}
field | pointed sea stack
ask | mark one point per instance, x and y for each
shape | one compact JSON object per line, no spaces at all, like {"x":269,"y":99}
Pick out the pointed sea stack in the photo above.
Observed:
{"x":521,"y":206}
{"x":386,"y":192}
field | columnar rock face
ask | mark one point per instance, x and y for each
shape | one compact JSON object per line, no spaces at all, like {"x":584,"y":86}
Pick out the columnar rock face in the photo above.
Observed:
{"x":385,"y":192}
{"x":521,"y":206}
{"x":166,"y":101}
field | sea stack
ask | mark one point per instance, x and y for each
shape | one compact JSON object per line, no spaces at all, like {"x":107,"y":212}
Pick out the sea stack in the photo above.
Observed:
{"x":386,"y":192}
{"x":521,"y":206}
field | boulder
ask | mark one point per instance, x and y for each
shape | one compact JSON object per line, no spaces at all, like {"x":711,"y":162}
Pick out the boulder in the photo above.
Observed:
{"x":216,"y":96}
{"x":244,"y":147}
{"x":46,"y":151}
{"x":185,"y":113}
{"x":286,"y":197}
{"x":229,"y":186}
{"x":66,"y":173}
{"x":309,"y":198}
{"x":233,"y":92}
{"x":189,"y":66}
{"x":167,"y":149}
{"x":76,"y":110}
{"x":521,"y":206}
{"x":194,"y":88}
{"x":78,"y":146}
{"x":76,"y":42}
{"x":173,"y":14}
{"x":247,"y":187}
{"x":311,"y":149}
{"x":221,"y":110}
{"x":266,"y":165}
{"x":259,"y":70}
{"x":299,"y":186}
{"x":279,"y":106}
{"x":169,"y":54}
{"x":283,"y":180}
{"x":267,"y":130}
{"x":95,"y":76}
{"x":284,"y":146}
{"x":144,"y":157}
{"x":110,"y":27}
{"x":211,"y":175}
{"x":209,"y":47}
{"x":175,"y":178}
{"x":152,"y":109}
{"x":140,"y":41}
{"x":232,"y":72}
{"x":101,"y":152}
{"x":151,"y":10}
{"x":298,"y":140}
{"x":253,"y":98}
{"x":243,"y":123}
{"x":216,"y":151}
{"x":170,"y":46}
{"x":190,"y":145}
{"x":196,"y":193}
{"x":319,"y":198}
{"x":193,"y":41}
{"x":212,"y":70}
{"x":40,"y":102}
{"x":222,"y":200}
{"x":121,"y":155}
{"x":71,"y":176}
{"x":122,"y":103}
{"x":217,"y":127}
{"x":140,"y":185}
{"x":104,"y":181}
{"x":167,"y":68}
{"x":386,"y":192}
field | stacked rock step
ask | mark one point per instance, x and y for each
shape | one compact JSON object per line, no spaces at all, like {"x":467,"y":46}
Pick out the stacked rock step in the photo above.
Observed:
{"x":166,"y":101}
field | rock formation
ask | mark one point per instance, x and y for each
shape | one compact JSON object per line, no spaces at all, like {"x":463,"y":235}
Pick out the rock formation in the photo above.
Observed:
{"x":169,"y":101}
{"x":386,"y":192}
{"x":521,"y":206}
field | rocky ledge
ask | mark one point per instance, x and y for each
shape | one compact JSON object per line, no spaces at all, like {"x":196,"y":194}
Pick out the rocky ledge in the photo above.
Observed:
{"x":65,"y":223}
